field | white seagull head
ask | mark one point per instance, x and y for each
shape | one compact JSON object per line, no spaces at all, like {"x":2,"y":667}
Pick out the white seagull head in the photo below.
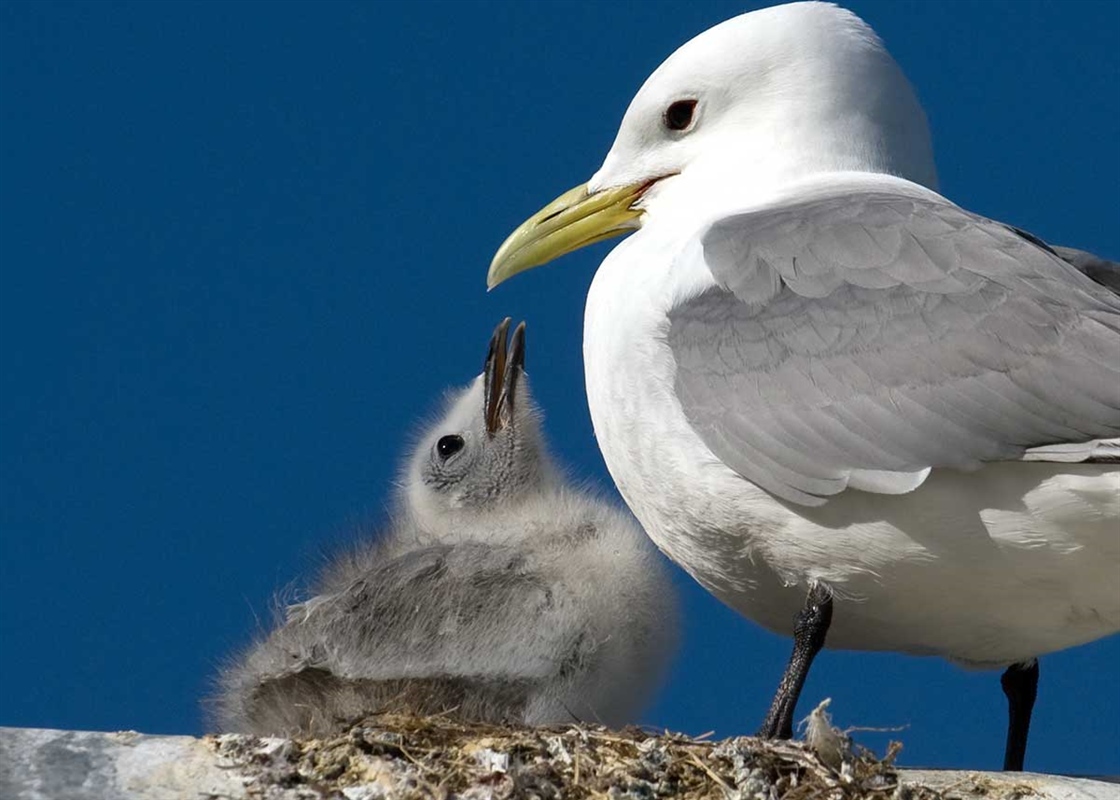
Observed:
{"x":735,"y":114}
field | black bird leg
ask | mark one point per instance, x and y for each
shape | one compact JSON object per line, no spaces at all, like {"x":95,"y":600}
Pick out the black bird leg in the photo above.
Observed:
{"x":809,"y":632}
{"x":1020,"y":684}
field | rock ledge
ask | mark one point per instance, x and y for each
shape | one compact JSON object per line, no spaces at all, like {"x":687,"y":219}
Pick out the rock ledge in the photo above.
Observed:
{"x":400,"y":758}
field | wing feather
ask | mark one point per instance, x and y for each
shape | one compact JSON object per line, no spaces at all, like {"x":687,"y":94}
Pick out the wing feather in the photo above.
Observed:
{"x":862,"y":337}
{"x":469,"y":610}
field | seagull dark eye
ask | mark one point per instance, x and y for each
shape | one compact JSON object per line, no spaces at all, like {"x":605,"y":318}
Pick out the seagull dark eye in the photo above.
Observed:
{"x":448,"y":446}
{"x":678,"y":116}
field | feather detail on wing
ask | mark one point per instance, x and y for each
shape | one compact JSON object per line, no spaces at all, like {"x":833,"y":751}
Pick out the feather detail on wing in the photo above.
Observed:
{"x":861,"y":337}
{"x":471,"y":627}
{"x":469,"y":609}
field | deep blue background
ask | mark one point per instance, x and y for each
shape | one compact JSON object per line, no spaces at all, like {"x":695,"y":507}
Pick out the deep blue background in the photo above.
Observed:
{"x":242,"y":251}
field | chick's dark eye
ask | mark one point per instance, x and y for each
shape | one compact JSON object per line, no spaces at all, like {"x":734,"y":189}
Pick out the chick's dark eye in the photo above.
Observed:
{"x":678,"y":115}
{"x":448,"y":446}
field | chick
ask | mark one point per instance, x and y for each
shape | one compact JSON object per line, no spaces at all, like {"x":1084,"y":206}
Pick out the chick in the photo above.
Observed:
{"x":498,"y":592}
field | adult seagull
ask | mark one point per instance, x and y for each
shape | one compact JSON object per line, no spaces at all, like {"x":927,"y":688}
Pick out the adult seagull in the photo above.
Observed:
{"x":833,"y":396}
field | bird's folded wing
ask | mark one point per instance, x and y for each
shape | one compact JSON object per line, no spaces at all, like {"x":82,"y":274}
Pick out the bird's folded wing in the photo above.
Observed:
{"x":863,"y":336}
{"x":468,"y":610}
{"x":1101,"y":270}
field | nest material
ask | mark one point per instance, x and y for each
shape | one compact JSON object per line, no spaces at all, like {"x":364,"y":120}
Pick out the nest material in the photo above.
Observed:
{"x":393,"y":757}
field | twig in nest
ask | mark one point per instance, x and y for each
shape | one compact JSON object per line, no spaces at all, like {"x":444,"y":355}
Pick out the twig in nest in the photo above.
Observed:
{"x":722,"y":783}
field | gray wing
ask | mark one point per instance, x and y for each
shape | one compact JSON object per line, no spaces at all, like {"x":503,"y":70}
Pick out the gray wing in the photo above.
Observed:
{"x":858,"y":340}
{"x":1101,"y":270}
{"x":472,"y":627}
{"x":468,"y":609}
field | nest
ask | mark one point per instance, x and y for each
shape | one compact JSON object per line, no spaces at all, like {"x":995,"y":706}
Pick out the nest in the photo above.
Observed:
{"x":394,"y":757}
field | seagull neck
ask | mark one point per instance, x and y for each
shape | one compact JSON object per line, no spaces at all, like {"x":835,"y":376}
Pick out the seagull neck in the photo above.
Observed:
{"x":714,"y":187}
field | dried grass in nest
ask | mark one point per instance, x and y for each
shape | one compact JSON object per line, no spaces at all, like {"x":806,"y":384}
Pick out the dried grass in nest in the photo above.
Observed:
{"x":408,"y":758}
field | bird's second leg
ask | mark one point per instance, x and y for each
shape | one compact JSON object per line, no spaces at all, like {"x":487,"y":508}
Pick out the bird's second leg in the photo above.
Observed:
{"x":1020,"y":684}
{"x":809,"y":632}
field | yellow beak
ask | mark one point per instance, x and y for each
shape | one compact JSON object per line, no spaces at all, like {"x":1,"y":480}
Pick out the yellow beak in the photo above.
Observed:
{"x":573,"y":220}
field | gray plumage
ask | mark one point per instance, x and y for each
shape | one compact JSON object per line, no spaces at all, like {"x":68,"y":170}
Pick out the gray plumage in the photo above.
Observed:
{"x":1101,"y":270}
{"x":860,"y":340}
{"x":498,"y":592}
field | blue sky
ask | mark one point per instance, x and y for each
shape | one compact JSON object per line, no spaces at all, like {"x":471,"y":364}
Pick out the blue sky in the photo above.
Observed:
{"x":242,"y":252}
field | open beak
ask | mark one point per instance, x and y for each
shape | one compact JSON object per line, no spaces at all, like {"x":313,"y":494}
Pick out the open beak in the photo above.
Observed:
{"x":573,"y":220}
{"x":504,"y":365}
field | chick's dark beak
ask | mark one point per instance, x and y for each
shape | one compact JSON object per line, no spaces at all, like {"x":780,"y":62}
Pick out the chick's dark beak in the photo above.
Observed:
{"x":505,"y":362}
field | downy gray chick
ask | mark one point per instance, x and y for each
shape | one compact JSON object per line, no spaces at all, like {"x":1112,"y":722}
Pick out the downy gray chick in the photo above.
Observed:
{"x":499,"y":592}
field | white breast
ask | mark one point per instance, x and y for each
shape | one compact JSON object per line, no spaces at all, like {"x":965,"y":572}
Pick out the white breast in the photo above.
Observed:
{"x":989,"y":567}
